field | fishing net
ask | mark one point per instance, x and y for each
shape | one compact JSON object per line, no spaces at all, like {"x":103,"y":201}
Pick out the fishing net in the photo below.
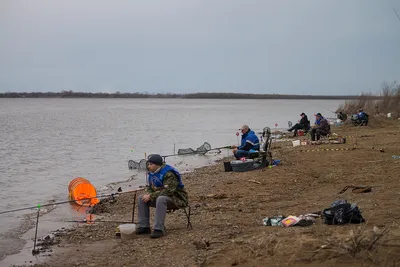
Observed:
{"x":203,"y":149}
{"x":141,"y":165}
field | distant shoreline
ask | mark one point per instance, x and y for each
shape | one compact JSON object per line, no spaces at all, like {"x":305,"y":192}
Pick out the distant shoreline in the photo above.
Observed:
{"x":71,"y":94}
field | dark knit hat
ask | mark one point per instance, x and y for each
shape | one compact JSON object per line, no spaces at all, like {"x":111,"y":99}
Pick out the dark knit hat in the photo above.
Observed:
{"x":155,"y":159}
{"x":318,"y":114}
{"x":302,"y":114}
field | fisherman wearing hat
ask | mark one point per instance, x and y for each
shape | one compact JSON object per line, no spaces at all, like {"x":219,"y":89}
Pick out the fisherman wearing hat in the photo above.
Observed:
{"x":165,"y":191}
{"x":250,"y":143}
{"x":304,"y":124}
{"x":321,"y":127}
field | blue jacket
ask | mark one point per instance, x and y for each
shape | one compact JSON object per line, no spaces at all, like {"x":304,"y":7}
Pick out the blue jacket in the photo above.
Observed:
{"x":318,"y":121}
{"x":362,"y":115}
{"x":249,"y":141}
{"x":157,"y":179}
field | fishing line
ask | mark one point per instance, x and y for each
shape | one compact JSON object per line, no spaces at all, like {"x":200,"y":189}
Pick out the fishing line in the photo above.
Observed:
{"x":398,"y":17}
{"x":69,"y":201}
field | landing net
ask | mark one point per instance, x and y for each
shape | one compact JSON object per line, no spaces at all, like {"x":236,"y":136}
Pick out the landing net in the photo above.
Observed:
{"x":201,"y":150}
{"x":141,"y":165}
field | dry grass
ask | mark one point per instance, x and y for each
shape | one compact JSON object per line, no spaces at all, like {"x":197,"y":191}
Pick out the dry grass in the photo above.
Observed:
{"x":388,"y":103}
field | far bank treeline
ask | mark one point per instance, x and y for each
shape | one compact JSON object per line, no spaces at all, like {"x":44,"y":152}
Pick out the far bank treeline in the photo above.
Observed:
{"x":71,"y":94}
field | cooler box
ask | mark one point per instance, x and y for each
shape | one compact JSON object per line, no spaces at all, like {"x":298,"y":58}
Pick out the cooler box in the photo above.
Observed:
{"x":242,"y":166}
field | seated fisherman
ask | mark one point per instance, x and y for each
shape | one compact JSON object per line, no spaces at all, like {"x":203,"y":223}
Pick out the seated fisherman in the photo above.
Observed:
{"x":341,"y":115}
{"x":249,"y":144}
{"x":362,"y":117}
{"x":304,"y":124}
{"x":165,"y":191}
{"x":321,"y":127}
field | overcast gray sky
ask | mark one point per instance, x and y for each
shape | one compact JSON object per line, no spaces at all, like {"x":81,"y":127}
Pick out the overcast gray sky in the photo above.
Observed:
{"x":257,"y":46}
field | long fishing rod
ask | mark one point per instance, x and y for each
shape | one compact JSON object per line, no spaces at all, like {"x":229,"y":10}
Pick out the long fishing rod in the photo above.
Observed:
{"x":194,"y":152}
{"x":188,"y":153}
{"x":94,"y":221}
{"x":396,"y":14}
{"x":329,"y":110}
{"x":222,"y":147}
{"x":69,"y":201}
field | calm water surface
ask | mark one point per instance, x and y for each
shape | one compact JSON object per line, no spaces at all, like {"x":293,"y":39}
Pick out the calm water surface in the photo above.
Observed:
{"x":45,"y":143}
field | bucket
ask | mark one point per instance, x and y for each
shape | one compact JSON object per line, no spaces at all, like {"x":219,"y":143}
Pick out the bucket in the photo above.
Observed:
{"x":228,"y":166}
{"x":300,"y":133}
{"x":127,"y":231}
{"x":80,"y":189}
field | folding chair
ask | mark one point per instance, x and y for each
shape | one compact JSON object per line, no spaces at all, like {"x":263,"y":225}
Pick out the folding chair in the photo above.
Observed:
{"x":187,"y":210}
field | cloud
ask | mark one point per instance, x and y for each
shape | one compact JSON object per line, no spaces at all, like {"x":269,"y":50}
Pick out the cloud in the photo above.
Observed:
{"x":259,"y":46}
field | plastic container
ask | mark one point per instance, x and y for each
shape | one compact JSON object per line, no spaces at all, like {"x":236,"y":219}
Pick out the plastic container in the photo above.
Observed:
{"x":127,"y":231}
{"x":296,"y":143}
{"x":242,"y":166}
{"x":300,"y":133}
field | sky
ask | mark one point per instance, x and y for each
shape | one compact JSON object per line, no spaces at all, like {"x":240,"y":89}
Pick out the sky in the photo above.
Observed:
{"x":329,"y":47}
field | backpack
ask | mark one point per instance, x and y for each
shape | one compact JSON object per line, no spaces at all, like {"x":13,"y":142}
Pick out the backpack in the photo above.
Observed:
{"x":343,"y":214}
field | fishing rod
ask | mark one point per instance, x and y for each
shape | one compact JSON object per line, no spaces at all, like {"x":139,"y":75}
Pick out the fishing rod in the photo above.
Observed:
{"x":222,"y":147}
{"x":329,"y":110}
{"x":396,"y":14}
{"x":94,"y":221}
{"x":189,"y":152}
{"x":69,"y":201}
{"x":195,"y":152}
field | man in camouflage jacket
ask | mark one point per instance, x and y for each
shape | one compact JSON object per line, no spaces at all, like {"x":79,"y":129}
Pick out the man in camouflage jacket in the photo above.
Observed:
{"x":165,"y":191}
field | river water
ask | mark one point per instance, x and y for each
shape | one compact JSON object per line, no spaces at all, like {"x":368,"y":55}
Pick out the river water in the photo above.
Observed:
{"x":45,"y":143}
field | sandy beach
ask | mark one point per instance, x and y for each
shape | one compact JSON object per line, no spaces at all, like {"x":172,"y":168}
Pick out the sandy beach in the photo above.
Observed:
{"x":228,"y":209}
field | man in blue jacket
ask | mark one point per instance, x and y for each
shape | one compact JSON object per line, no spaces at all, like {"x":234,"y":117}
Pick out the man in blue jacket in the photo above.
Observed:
{"x":165,"y":191}
{"x":249,"y":144}
{"x":362,"y":117}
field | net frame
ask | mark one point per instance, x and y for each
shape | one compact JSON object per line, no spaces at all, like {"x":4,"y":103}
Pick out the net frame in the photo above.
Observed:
{"x":138,"y":165}
{"x":201,"y":150}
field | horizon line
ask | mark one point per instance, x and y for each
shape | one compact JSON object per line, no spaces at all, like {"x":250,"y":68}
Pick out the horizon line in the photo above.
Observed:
{"x":215,"y":95}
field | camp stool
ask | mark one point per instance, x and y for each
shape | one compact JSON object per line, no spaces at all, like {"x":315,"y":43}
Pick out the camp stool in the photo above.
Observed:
{"x":187,"y":210}
{"x":326,"y":137}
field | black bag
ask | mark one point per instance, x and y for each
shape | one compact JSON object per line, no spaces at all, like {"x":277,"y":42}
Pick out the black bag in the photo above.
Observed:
{"x":343,"y":214}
